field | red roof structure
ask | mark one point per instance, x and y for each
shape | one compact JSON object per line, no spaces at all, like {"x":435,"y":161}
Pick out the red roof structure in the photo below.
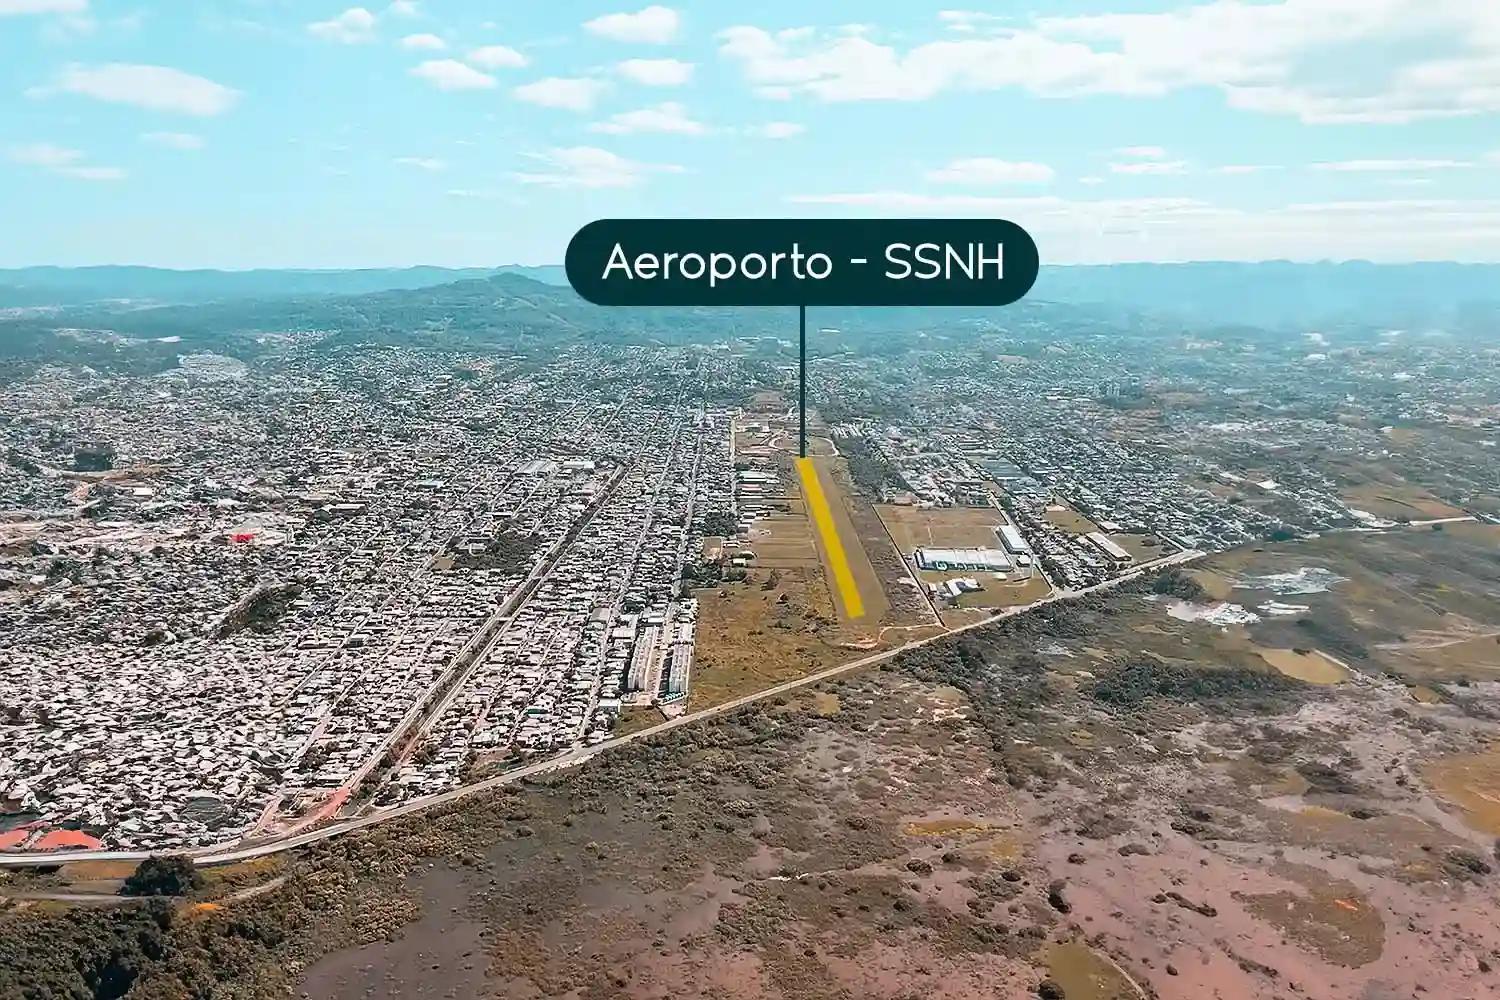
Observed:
{"x":63,"y":840}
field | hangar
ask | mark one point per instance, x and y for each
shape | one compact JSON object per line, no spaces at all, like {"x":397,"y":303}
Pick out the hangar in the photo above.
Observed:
{"x":947,"y":560}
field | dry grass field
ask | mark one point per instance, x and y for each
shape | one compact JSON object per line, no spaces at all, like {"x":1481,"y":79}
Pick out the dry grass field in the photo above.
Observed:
{"x":941,"y":527}
{"x":1068,"y":519}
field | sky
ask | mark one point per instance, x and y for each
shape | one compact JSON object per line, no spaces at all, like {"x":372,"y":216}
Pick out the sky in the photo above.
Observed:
{"x":306,"y":133}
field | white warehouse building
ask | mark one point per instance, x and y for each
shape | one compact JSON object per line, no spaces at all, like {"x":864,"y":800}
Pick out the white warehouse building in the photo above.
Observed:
{"x":946,"y":560}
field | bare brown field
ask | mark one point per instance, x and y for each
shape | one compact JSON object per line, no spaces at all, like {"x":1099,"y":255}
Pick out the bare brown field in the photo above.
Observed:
{"x":90,"y":870}
{"x":1447,"y":656}
{"x":1214,"y":584}
{"x":996,"y":593}
{"x":1142,"y":548}
{"x":955,"y":617}
{"x":635,"y":718}
{"x":776,"y":626}
{"x":1423,"y":602}
{"x":1397,"y":501}
{"x":1471,"y":781}
{"x":1068,"y":519}
{"x":941,"y":527}
{"x":783,"y":541}
{"x":1310,"y":665}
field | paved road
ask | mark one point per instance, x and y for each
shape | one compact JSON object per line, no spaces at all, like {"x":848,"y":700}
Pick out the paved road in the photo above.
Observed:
{"x":222,"y":855}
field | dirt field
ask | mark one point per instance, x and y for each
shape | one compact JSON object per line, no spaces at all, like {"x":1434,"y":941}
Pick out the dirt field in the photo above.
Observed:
{"x":1143,"y":548}
{"x":777,"y":625}
{"x":1068,"y":519}
{"x":784,"y":541}
{"x":1312,"y":666}
{"x":633,"y":719}
{"x":996,"y":593}
{"x":941,"y":527}
{"x":1398,"y":502}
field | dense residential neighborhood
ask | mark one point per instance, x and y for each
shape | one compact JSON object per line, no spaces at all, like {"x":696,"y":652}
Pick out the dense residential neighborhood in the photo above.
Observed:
{"x":245,"y":598}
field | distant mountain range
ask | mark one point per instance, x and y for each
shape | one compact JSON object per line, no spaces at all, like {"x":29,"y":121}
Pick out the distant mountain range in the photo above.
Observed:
{"x":63,"y":286}
{"x":1271,"y":294}
{"x":142,"y":319}
{"x":1282,"y":294}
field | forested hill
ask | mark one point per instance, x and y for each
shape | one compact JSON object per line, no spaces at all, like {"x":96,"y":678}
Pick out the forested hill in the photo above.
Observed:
{"x":1272,"y":294}
{"x":65,"y":286}
{"x":511,"y":311}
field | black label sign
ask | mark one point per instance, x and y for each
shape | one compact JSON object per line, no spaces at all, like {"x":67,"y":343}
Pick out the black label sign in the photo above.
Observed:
{"x":806,"y":262}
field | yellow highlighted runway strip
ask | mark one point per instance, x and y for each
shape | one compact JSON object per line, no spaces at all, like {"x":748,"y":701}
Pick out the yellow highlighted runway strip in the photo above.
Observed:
{"x":817,"y":506}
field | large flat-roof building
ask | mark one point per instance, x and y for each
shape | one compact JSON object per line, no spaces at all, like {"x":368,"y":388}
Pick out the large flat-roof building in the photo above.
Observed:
{"x":1013,"y":540}
{"x":1108,"y":546}
{"x":947,"y":560}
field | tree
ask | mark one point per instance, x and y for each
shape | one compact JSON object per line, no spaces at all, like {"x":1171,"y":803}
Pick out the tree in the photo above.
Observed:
{"x":1173,"y":582}
{"x":163,"y":875}
{"x":719,"y":522}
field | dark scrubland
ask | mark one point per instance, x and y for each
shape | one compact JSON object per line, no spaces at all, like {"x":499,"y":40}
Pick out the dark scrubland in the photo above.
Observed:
{"x":1090,"y":800}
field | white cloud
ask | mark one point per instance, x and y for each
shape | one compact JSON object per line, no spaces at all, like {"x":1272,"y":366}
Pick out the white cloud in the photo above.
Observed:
{"x":404,"y":8}
{"x":777,"y":130}
{"x":450,"y":74}
{"x":1142,"y":152}
{"x":1175,"y":229}
{"x":156,"y":88}
{"x":569,"y":93}
{"x":354,"y":26}
{"x":590,"y":167}
{"x":184,"y":141}
{"x":1418,"y":58}
{"x":1389,"y":166}
{"x":43,"y":154}
{"x":62,"y":161}
{"x":478,"y":194}
{"x":654,"y":25}
{"x":10,"y":7}
{"x":983,"y":170}
{"x":1155,"y":167}
{"x":968,"y":21}
{"x":497,"y":57}
{"x":422,"y":163}
{"x":656,"y":72}
{"x":93,"y":173}
{"x":667,"y":117}
{"x":423,"y":41}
